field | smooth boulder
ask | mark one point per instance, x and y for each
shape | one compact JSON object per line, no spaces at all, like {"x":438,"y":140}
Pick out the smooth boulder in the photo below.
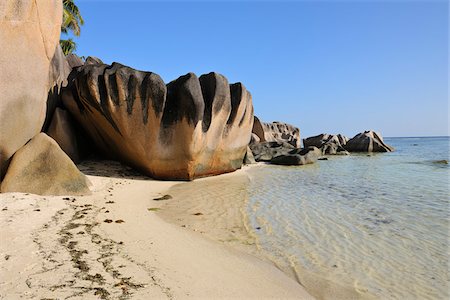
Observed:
{"x":249,"y":158}
{"x":193,"y":127}
{"x":298,"y":157}
{"x":29,"y":68}
{"x":283,"y":153}
{"x":368,"y":141}
{"x":41,"y":167}
{"x":266,"y":151}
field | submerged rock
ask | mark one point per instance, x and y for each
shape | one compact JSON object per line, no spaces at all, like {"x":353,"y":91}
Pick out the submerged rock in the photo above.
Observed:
{"x":368,"y":141}
{"x":190,"y":128}
{"x":41,"y":167}
{"x":276,"y":132}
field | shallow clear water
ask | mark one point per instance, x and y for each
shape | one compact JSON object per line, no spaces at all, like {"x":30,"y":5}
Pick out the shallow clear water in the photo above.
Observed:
{"x":375,"y":225}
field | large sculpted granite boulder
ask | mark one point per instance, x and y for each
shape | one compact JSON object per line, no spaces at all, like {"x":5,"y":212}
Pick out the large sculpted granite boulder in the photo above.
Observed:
{"x":368,"y":141}
{"x":41,"y":167}
{"x":192,"y":127}
{"x":276,"y":131}
{"x":29,"y":39}
{"x":328,"y":143}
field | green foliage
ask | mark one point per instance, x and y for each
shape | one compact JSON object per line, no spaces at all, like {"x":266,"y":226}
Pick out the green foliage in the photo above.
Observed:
{"x":72,"y":21}
{"x":67,"y":46}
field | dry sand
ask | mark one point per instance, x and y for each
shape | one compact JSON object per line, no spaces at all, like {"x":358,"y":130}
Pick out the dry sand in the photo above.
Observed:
{"x":114,"y":245}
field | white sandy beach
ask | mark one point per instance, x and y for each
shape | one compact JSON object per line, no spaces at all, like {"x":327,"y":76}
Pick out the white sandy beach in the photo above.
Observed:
{"x":109,"y":245}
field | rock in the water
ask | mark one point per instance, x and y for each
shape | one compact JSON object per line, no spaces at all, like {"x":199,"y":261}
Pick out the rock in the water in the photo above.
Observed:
{"x":328,"y":143}
{"x":283,"y":153}
{"x":368,"y":141}
{"x":29,"y":35}
{"x":194,"y":127}
{"x":41,"y":167}
{"x":276,"y":131}
{"x":265,"y":151}
{"x":249,"y":158}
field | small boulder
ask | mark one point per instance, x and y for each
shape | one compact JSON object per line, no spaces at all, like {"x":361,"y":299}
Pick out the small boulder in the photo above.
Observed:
{"x":368,"y":141}
{"x":41,"y":167}
{"x":328,"y":143}
{"x":298,"y":157}
{"x":249,"y":158}
{"x":265,"y":151}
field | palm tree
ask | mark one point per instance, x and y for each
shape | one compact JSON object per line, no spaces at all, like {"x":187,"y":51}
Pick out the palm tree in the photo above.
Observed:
{"x":72,"y":21}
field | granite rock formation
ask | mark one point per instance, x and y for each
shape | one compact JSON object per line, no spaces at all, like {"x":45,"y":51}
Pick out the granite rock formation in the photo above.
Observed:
{"x":41,"y":167}
{"x":298,"y":157}
{"x":329,"y":144}
{"x":368,"y":141}
{"x":283,"y":153}
{"x":249,"y":158}
{"x":72,"y":140}
{"x":29,"y":35}
{"x":276,"y":131}
{"x":192,"y":127}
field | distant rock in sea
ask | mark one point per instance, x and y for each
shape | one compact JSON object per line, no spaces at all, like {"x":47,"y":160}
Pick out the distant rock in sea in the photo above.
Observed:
{"x":368,"y":141}
{"x":192,"y":127}
{"x":276,"y":132}
{"x":329,"y":144}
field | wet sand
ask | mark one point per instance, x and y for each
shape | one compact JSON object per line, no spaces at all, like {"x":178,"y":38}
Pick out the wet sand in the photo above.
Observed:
{"x":114,"y":244}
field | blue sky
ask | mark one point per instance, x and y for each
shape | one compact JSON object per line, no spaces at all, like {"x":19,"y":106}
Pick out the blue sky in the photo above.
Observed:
{"x":324,"y":66}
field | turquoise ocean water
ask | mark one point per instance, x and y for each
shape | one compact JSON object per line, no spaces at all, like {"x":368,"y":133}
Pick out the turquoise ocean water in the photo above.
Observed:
{"x":376,"y":225}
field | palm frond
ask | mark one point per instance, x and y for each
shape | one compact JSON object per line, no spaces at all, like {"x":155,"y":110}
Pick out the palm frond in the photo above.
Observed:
{"x":67,"y":46}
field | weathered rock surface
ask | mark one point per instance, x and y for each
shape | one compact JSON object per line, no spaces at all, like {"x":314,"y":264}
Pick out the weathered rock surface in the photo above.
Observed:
{"x":276,"y":131}
{"x":298,"y":157}
{"x":249,"y":158}
{"x":283,"y":153}
{"x":265,"y":151}
{"x":29,"y":35}
{"x":190,"y":128}
{"x":64,"y":132}
{"x":368,"y":141}
{"x":41,"y":167}
{"x":74,"y":60}
{"x":328,"y":143}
